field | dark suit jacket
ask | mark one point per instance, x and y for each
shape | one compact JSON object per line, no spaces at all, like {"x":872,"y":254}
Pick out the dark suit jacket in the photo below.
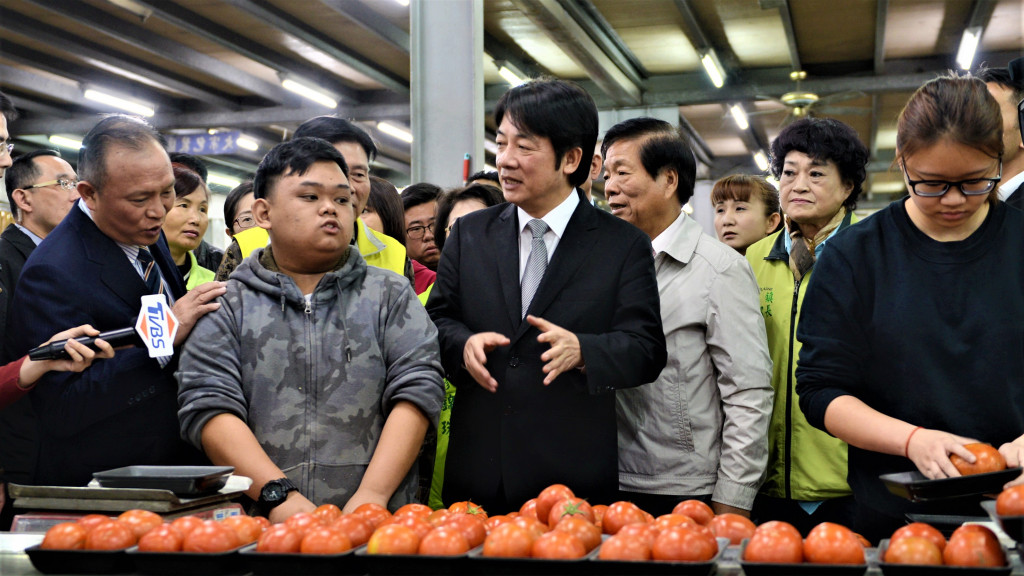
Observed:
{"x":17,"y":421}
{"x":120,"y":411}
{"x":1017,"y":198}
{"x":505,"y":447}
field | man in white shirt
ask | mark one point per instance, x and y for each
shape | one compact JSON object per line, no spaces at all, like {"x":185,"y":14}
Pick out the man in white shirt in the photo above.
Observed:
{"x":1008,"y":91}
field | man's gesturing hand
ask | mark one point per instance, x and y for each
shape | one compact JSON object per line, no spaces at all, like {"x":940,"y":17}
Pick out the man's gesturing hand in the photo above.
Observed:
{"x":474,"y":356}
{"x":564,"y":354}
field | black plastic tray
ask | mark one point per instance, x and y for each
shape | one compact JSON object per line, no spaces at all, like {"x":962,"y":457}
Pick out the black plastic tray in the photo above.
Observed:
{"x":79,"y":561}
{"x":191,"y":563}
{"x":802,"y":569}
{"x":918,"y":570}
{"x":609,"y":567}
{"x":186,"y":480}
{"x":915,"y":487}
{"x":1013,"y":526}
{"x":271,"y":563}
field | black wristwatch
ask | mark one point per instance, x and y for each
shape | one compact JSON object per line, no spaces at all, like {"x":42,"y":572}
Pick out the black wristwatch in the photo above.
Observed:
{"x":273,"y":494}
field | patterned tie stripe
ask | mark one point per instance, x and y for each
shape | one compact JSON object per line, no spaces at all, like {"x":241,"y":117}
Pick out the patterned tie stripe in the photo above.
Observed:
{"x":150,"y":274}
{"x":536,"y":264}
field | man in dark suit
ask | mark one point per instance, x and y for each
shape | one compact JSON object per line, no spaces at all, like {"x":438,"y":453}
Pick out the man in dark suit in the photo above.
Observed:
{"x":1007,"y":86}
{"x":535,"y":402}
{"x":41,"y":190}
{"x":120,"y":411}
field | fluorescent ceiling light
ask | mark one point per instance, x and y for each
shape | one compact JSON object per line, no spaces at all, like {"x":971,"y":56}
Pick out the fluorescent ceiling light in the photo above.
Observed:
{"x":118,"y":102}
{"x":309,"y":92}
{"x":247,"y":142}
{"x":490,"y":168}
{"x":491,"y":146}
{"x":714,"y":68}
{"x":63,"y":142}
{"x":510,"y":76}
{"x":688,"y":208}
{"x":395,"y":131}
{"x":740,"y":116}
{"x":761,"y":160}
{"x":968,"y":46}
{"x":403,"y":2}
{"x":222,"y":180}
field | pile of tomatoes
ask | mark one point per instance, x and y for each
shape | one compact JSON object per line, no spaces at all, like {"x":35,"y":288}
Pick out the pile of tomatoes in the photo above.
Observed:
{"x":149,"y":531}
{"x":778,"y":542}
{"x":922,"y":544}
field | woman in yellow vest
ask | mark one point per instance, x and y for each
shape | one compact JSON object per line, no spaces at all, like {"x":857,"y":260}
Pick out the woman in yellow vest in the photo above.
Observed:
{"x":186,"y":224}
{"x":820,"y":164}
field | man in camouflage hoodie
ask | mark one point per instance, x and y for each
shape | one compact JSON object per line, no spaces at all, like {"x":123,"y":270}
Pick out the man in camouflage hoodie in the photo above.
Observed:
{"x":318,"y":376}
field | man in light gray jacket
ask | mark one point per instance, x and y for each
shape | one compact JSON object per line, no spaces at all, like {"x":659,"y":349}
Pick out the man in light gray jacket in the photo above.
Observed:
{"x":318,"y":376}
{"x":700,"y":430}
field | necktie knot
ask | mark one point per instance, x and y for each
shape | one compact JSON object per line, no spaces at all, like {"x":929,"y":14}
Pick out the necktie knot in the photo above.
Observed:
{"x":538,"y":227}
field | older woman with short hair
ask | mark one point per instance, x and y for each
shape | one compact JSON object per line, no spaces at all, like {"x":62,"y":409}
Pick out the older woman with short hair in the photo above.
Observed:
{"x":820,"y":164}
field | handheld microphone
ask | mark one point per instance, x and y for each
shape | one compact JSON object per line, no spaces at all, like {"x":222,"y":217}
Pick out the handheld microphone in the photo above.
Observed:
{"x":116,"y":339}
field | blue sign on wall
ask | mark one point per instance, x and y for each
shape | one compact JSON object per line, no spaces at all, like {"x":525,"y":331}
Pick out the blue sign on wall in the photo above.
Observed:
{"x":204,"y":144}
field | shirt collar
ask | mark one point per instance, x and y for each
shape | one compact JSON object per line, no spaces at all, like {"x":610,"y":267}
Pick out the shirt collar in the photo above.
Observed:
{"x":557,"y":219}
{"x":662,"y":242}
{"x":1008,"y":187}
{"x":35,"y":239}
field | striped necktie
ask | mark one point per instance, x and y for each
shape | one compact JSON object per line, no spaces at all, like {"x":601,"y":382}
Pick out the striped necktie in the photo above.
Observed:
{"x":536,"y":264}
{"x":150,"y":272}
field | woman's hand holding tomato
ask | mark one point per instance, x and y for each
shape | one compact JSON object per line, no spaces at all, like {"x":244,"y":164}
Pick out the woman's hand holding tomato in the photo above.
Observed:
{"x":1013,"y":452}
{"x":929,"y":450}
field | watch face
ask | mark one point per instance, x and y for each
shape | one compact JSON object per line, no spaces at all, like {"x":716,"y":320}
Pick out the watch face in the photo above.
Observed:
{"x":275,"y":493}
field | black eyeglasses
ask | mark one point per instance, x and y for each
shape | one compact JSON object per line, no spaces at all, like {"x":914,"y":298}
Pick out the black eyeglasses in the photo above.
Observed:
{"x":935,"y":188}
{"x":418,"y":232}
{"x":65,"y":183}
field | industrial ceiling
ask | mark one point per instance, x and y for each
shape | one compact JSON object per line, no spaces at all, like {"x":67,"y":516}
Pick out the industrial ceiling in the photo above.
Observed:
{"x":209,"y":67}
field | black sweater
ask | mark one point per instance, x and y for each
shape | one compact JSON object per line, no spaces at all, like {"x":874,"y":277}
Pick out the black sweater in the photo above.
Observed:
{"x":928,"y":332}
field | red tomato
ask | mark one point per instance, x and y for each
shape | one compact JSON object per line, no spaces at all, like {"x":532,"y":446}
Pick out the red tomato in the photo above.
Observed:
{"x":973,"y":546}
{"x":645,"y":532}
{"x":586,"y":532}
{"x":472,"y":527}
{"x":699,"y":511}
{"x":913,"y":550}
{"x":90,"y":521}
{"x":681,"y":543}
{"x":163,"y":538}
{"x":263,"y":522}
{"x":211,"y":537}
{"x":549,"y":496}
{"x":557,"y":545}
{"x":495,"y":521}
{"x":668,"y":520}
{"x":445,"y":541}
{"x":920,"y":530}
{"x":65,"y":536}
{"x":437,"y":517}
{"x":414,"y":509}
{"x":327,"y":513}
{"x":570,"y":507}
{"x":186,"y":524}
{"x":393,"y":539}
{"x":419,"y":525}
{"x":775,"y":546}
{"x":467,"y":507}
{"x":987,"y":459}
{"x":246,"y":528}
{"x":303,"y":522}
{"x":624,"y":547}
{"x":536,"y":527}
{"x":1011,"y":502}
{"x":372,"y":513}
{"x":141,"y":521}
{"x":279,"y":539}
{"x":529,"y":508}
{"x":510,"y":540}
{"x":110,"y":535}
{"x":830,"y":543}
{"x":599,"y":513}
{"x":779,"y":525}
{"x":324,"y":540}
{"x":620,"y":514}
{"x":732,"y":526}
{"x":356,"y":527}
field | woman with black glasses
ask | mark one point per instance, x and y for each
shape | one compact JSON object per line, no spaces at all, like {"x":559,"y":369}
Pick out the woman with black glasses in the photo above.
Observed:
{"x":916,"y":345}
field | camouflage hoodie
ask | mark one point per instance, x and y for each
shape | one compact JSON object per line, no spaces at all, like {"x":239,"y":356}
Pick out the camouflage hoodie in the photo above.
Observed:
{"x":314,"y":382}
